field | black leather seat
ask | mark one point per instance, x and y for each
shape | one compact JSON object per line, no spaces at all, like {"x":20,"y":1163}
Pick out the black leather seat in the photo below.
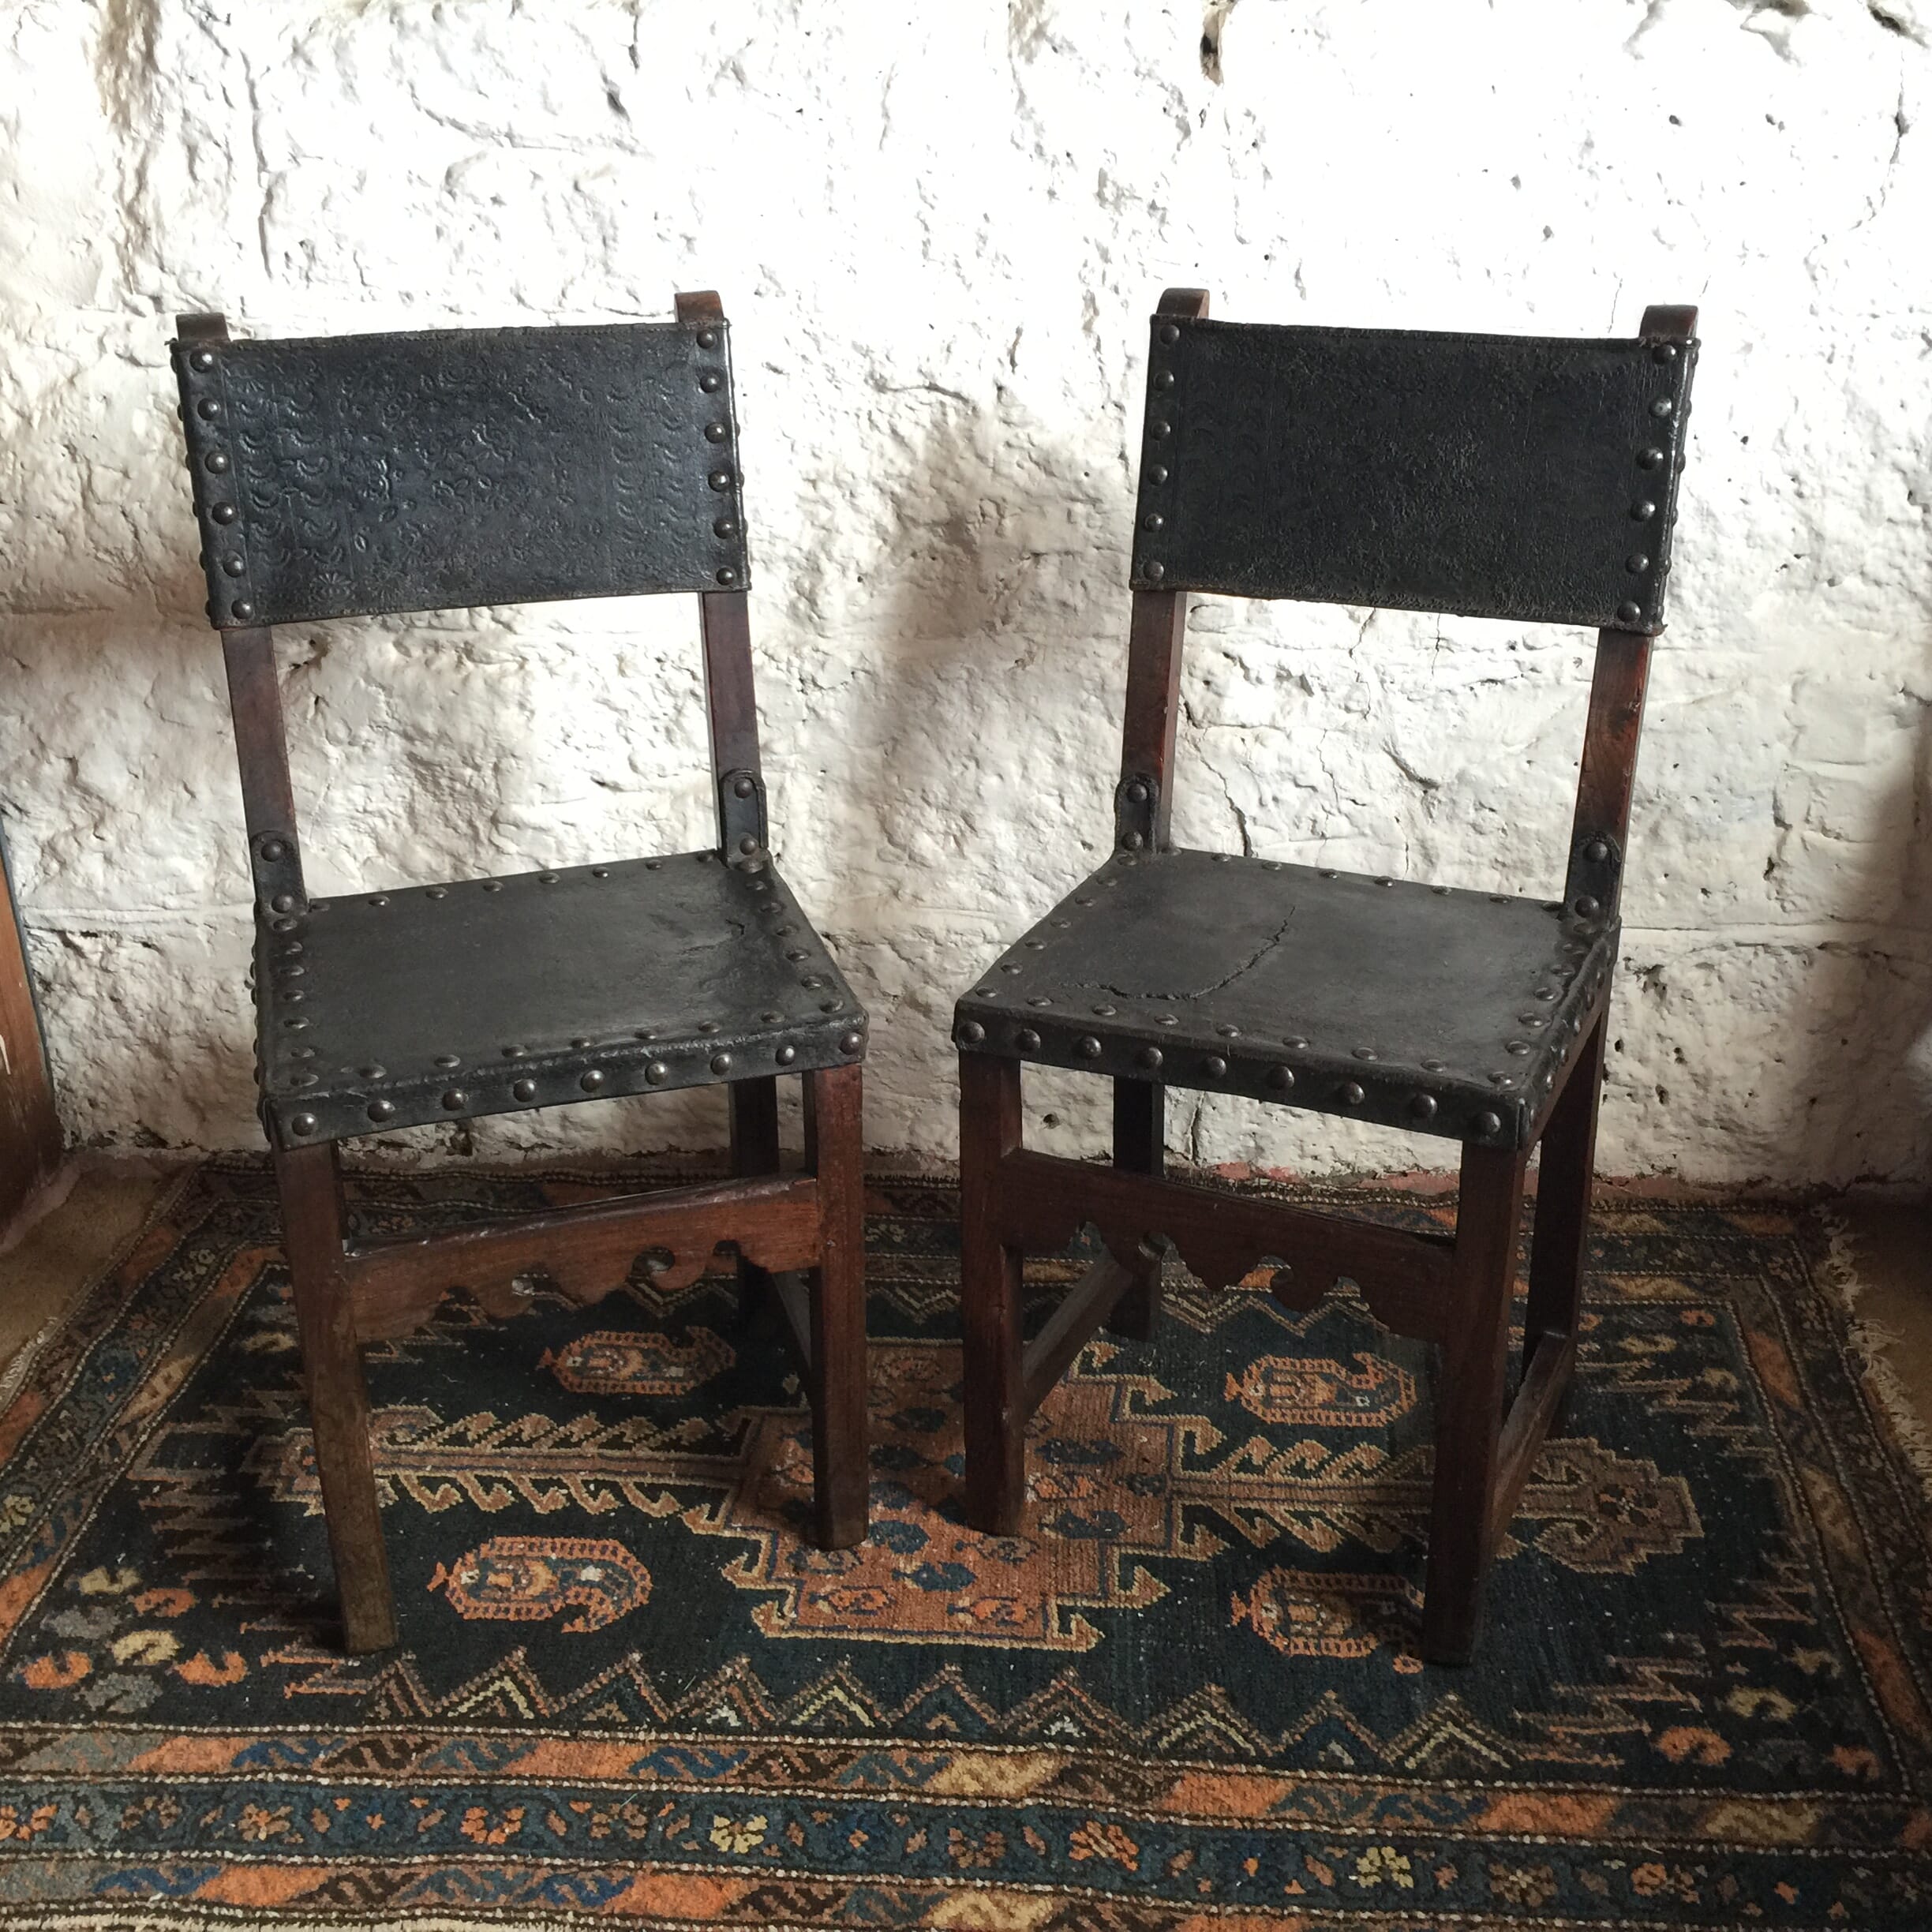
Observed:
{"x":1380,"y":998}
{"x":485,"y":996}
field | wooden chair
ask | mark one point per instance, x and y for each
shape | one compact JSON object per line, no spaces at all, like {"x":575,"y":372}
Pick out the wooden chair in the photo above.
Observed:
{"x":1492,"y":476}
{"x":340,"y":477}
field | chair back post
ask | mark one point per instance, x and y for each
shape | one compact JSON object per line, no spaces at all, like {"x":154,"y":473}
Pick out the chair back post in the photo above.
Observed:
{"x":1144,"y":799}
{"x":255,"y":704}
{"x":1594,"y":882}
{"x":731,"y":703}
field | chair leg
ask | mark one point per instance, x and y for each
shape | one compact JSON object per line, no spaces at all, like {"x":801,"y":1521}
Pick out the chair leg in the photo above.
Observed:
{"x":310,"y":1184}
{"x":1469,"y":1400}
{"x":840,"y":1457}
{"x":1562,"y":1206}
{"x":753,"y":1150}
{"x":1140,"y":1147}
{"x":990,"y":1125}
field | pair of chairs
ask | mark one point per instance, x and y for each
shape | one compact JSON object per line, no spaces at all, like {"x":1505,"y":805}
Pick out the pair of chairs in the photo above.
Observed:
{"x":1517,"y":477}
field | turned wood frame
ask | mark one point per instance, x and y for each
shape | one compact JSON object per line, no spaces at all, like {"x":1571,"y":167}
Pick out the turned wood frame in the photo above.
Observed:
{"x":1454,"y":1291}
{"x":800,"y":1238}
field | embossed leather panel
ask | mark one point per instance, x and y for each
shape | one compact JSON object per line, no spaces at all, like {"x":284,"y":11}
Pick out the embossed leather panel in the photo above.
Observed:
{"x":387,"y":1009}
{"x":1445,"y":1011}
{"x":1490,"y":476}
{"x":351,"y":474}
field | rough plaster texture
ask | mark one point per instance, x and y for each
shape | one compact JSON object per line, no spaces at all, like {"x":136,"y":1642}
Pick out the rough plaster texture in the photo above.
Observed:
{"x":939,"y":230}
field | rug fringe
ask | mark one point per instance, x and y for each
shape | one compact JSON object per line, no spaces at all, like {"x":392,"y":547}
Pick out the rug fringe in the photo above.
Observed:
{"x":1871,"y":1344}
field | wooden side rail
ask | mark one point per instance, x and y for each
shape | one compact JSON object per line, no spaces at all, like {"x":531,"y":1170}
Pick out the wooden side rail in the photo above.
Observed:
{"x":1042,"y":1200}
{"x":1539,"y":1396}
{"x":587,"y":1250}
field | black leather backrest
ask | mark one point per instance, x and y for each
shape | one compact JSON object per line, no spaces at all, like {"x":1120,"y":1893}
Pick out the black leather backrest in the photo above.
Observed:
{"x":343,"y":475}
{"x":1491,"y":476}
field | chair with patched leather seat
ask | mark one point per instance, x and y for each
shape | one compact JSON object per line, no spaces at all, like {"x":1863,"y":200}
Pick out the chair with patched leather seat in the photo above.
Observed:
{"x":353,"y":475}
{"x":1518,"y":477}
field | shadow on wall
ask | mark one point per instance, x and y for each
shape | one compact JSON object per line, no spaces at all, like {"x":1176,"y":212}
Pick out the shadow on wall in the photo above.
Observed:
{"x":1862,"y":1044}
{"x":978,"y":728}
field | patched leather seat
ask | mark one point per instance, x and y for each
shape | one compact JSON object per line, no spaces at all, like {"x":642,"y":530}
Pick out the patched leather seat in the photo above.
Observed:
{"x":1380,"y":998}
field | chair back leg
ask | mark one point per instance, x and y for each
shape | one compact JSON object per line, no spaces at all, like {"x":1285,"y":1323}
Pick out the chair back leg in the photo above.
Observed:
{"x":310,"y":1184}
{"x":990,"y":1289}
{"x":839,"y":1382}
{"x":1140,"y":1147}
{"x":1470,"y":1401}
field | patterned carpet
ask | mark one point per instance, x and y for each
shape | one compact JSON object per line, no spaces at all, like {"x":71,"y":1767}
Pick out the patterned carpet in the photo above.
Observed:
{"x":628,"y":1692}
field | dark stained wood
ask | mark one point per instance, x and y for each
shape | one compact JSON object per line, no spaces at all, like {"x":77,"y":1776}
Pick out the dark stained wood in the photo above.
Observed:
{"x":1528,"y":1425}
{"x":261,"y":748}
{"x":794,"y":1299}
{"x":754,"y":1150}
{"x":1562,"y":1203}
{"x":1469,"y":1400}
{"x":991,"y":1126}
{"x":30,"y":1131}
{"x":1140,"y":1147}
{"x":726,"y":626}
{"x":586,"y":1251}
{"x":840,"y":1452}
{"x":1082,"y":1310}
{"x":310,"y":1185}
{"x":1041,"y":1201}
{"x":1610,"y":734}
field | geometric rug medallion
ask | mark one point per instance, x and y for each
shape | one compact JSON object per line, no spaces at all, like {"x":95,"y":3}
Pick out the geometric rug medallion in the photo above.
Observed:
{"x":629,"y":1692}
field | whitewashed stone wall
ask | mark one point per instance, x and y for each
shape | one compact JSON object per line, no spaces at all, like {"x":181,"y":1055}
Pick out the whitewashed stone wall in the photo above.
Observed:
{"x":938,"y":229}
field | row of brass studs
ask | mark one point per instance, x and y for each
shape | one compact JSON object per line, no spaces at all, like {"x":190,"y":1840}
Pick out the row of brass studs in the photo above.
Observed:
{"x":1651,"y":457}
{"x":592,"y":1081}
{"x":1159,"y":429}
{"x":722,"y":479}
{"x":232,"y":563}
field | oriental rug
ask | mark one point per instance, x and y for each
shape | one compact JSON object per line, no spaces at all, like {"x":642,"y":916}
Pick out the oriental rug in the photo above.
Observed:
{"x":629,"y":1692}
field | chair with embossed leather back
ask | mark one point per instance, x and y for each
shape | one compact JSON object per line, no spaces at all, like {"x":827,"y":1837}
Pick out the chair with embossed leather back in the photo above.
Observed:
{"x":346,"y":475}
{"x":1517,"y":477}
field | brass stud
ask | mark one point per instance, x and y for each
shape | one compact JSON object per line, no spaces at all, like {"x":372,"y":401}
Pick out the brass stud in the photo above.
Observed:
{"x":1170,"y":332}
{"x":1353,"y":1094}
{"x":852,"y":1042}
{"x":243,"y":609}
{"x":1133,"y":841}
{"x":742,"y":786}
{"x":1642,"y":511}
{"x":1214,"y":1066}
{"x":657,"y":1072}
{"x":1026,"y":1040}
{"x":1229,"y":1032}
{"x":1518,"y":1047}
{"x":1282,"y":1079}
{"x":1423,"y":1106}
{"x":1629,"y":613}
{"x":283,"y":902}
{"x":719,"y":479}
{"x":1153,"y":521}
{"x":1166,"y":1020}
{"x":202,"y":359}
{"x":1587,"y":907}
{"x":1636,"y":563}
{"x":1488,"y":1125}
{"x":1434,"y":1066}
{"x":1649,"y":458}
{"x":1157,"y":473}
{"x":1039,"y":999}
{"x":972,"y":1032}
{"x":707,"y":1026}
{"x":710,"y":382}
{"x":208,"y":409}
{"x":1089,"y":1047}
{"x":303,"y":1123}
{"x":707,"y":338}
{"x":233,"y":566}
{"x":223,"y":512}
{"x":1150,"y":1057}
{"x":1107,"y":1013}
{"x":1597,"y":850}
{"x":1664,"y":352}
{"x":721,"y":1063}
{"x":217,"y":461}
{"x":1155,"y":572}
{"x":1293,"y":1041}
{"x":1137,"y":794}
{"x":381,"y":1109}
{"x":515,"y":1052}
{"x":591,"y":1081}
{"x":454,"y":1101}
{"x":1662,"y":407}
{"x":785,"y":1055}
{"x":727,"y":576}
{"x":1165,"y":379}
{"x":1365,"y":1053}
{"x":525,"y":1090}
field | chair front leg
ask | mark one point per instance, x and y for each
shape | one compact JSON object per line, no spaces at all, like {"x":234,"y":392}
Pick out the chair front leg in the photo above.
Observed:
{"x":309,"y":1181}
{"x":990,"y":1124}
{"x":835,"y":1147}
{"x":1562,"y":1206}
{"x":1469,"y":1400}
{"x":1140,"y":1147}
